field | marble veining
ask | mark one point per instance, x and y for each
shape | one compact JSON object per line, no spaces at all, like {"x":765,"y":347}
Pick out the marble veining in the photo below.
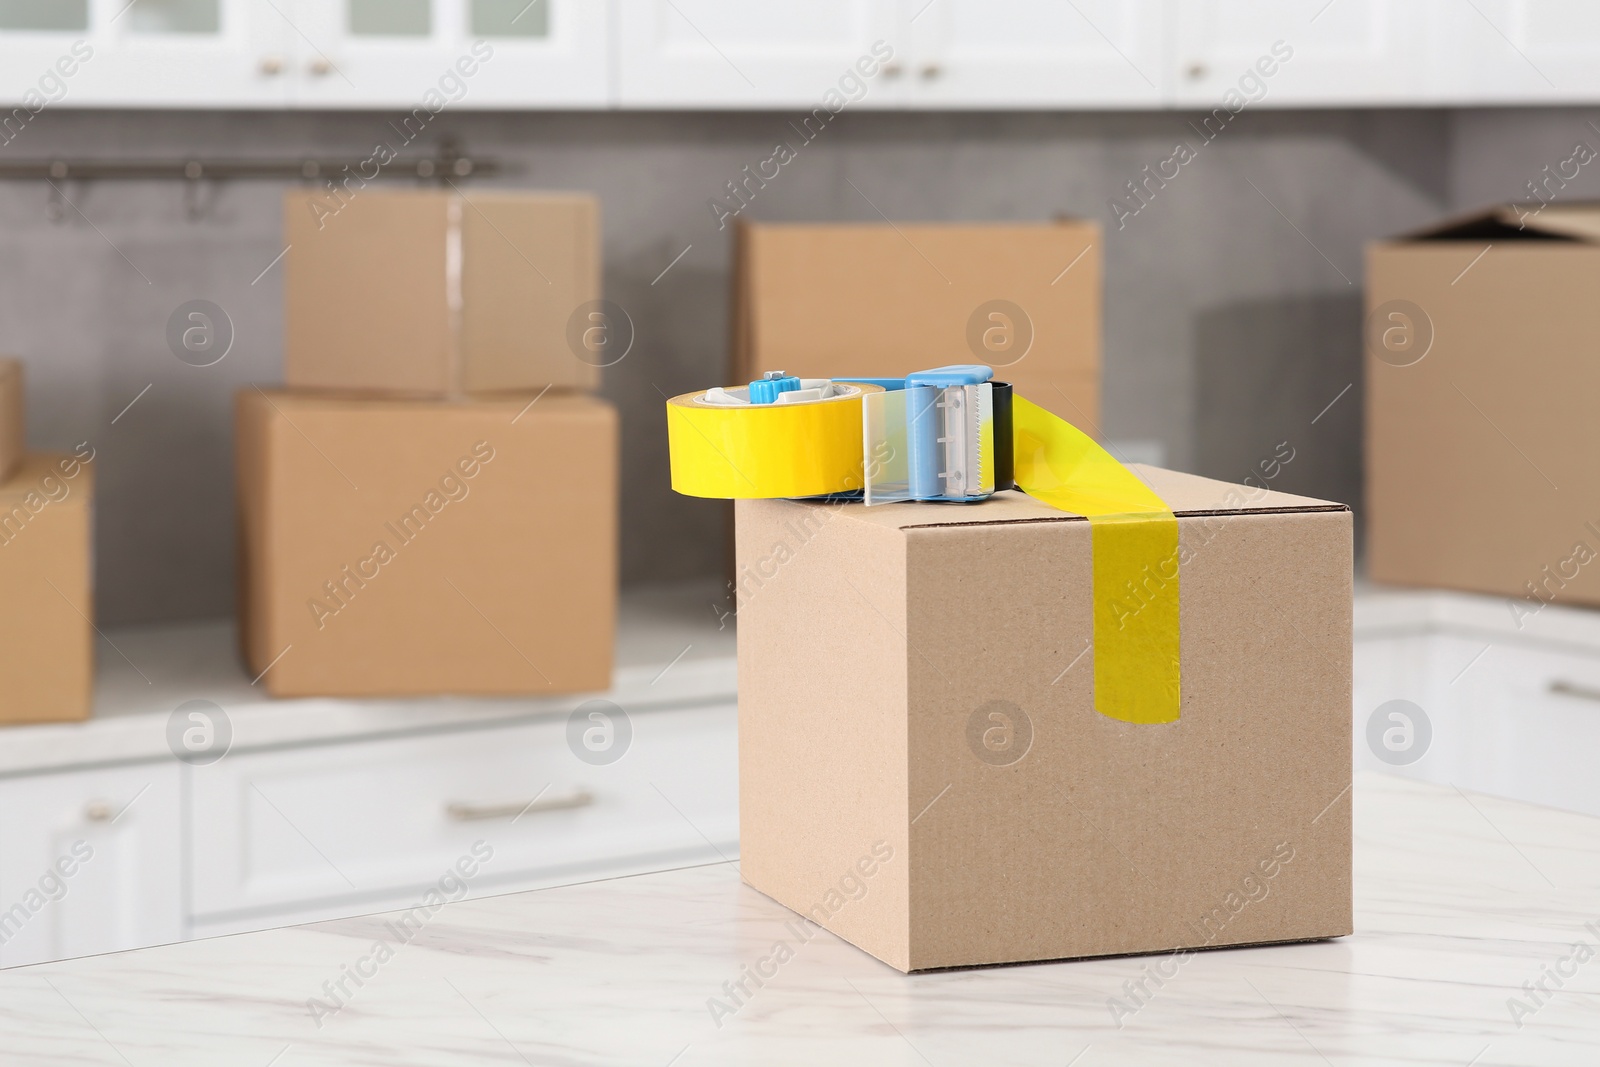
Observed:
{"x":1460,"y":900}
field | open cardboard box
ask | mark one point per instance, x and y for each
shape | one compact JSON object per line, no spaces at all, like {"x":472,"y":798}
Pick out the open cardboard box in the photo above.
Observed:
{"x":923,"y":771}
{"x":1480,"y":386}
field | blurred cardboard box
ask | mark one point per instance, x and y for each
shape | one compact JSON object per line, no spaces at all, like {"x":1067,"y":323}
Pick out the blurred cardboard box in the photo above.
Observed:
{"x":883,"y":301}
{"x":1480,"y":383}
{"x":46,"y":553}
{"x":13,"y":417}
{"x":412,"y":547}
{"x":945,"y":794}
{"x":437,"y":293}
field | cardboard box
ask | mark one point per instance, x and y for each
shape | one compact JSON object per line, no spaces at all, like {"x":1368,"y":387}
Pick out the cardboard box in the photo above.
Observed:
{"x":1480,"y":384}
{"x":13,"y":417}
{"x":883,"y":301}
{"x":46,"y":583}
{"x":875,"y":647}
{"x":411,"y":547}
{"x":436,"y":293}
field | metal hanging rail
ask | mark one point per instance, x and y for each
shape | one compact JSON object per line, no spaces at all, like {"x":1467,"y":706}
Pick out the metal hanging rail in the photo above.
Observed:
{"x":446,"y":165}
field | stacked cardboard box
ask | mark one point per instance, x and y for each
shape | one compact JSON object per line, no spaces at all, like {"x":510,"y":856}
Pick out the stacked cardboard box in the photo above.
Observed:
{"x":430,"y":506}
{"x":47,"y":633}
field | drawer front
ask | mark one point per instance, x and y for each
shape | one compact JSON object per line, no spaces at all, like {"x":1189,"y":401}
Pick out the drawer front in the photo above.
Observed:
{"x":1531,"y":725}
{"x":366,"y":823}
{"x":1512,"y":720}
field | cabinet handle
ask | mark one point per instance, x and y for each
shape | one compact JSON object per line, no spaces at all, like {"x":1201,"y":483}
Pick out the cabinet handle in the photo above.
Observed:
{"x":320,"y":66}
{"x":1573,"y":689}
{"x":931,"y":70}
{"x":271,"y":65}
{"x":463,"y":812}
{"x":1196,"y":71}
{"x":99,"y":811}
{"x":893,"y":69}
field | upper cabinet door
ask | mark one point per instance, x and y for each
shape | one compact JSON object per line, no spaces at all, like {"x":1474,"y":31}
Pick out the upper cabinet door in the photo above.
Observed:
{"x":152,"y":53}
{"x":1036,"y":53}
{"x":1519,"y":52}
{"x":437,"y":54}
{"x":775,"y":53}
{"x":1303,"y":53}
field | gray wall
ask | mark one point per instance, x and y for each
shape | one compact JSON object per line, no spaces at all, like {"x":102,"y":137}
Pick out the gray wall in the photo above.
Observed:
{"x":1232,"y":298}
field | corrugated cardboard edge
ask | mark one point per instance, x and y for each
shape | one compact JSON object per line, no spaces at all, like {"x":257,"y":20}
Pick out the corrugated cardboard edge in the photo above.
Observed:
{"x":773,"y":782}
{"x":251,"y":414}
{"x":13,"y":416}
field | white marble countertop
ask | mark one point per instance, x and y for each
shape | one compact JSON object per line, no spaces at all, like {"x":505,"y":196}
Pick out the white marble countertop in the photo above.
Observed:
{"x":670,"y":647}
{"x":1460,"y":900}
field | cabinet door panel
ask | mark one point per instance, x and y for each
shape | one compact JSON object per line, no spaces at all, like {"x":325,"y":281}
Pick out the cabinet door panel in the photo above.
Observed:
{"x":155,"y":53}
{"x":1298,"y":53}
{"x":433,"y":55}
{"x":783,"y":53}
{"x":1036,"y":53}
{"x":89,"y":863}
{"x":1520,"y":51}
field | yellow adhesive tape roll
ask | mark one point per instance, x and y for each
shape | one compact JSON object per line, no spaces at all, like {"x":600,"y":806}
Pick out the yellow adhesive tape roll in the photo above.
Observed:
{"x":752,"y":451}
{"x":1135,"y":567}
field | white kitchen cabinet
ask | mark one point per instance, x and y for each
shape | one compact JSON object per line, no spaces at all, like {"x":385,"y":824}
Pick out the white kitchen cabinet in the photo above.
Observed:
{"x":1035,"y":54}
{"x":1509,"y":711}
{"x":1300,"y":53}
{"x":418,"y":57}
{"x":433,"y":54}
{"x":402,"y":54}
{"x":781,"y":53}
{"x":1518,"y":52}
{"x":153,"y":53}
{"x":344,"y":829}
{"x":89,"y":862}
{"x":318,"y":808}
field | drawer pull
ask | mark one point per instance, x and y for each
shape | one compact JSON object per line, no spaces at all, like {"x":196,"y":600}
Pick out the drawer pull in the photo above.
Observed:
{"x":577,"y":798}
{"x":1572,"y":689}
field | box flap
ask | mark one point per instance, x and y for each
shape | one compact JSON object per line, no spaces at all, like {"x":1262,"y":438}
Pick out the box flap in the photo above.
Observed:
{"x":1186,"y":494}
{"x":1578,"y":221}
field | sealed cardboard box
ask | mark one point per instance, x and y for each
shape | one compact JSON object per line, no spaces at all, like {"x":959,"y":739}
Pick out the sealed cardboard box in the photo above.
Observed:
{"x":1480,"y":386}
{"x":13,"y":419}
{"x":885,"y":300}
{"x":411,"y":547}
{"x":923,"y":771}
{"x":46,"y":633}
{"x":435,"y":293}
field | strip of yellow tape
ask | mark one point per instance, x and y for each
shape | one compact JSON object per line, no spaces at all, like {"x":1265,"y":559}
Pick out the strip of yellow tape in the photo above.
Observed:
{"x":1135,"y":543}
{"x":755,"y":451}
